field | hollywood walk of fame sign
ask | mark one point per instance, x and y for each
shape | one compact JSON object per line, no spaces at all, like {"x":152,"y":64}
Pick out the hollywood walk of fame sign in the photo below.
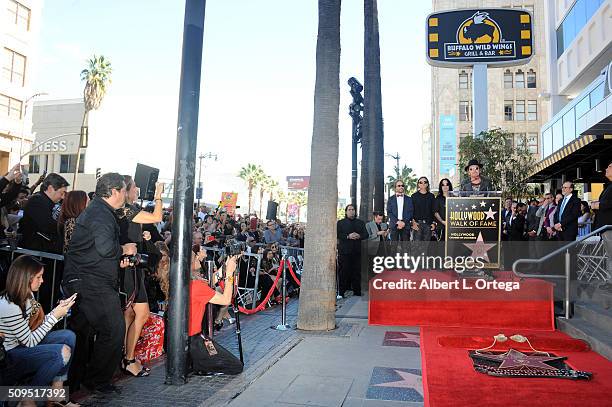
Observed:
{"x":473,"y":228}
{"x":518,"y":364}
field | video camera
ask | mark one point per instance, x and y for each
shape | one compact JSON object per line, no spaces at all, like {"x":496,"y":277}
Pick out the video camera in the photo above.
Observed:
{"x":136,"y":260}
{"x":233,"y":247}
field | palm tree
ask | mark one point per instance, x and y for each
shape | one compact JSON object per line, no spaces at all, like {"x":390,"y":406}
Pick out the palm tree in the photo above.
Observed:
{"x":250,"y":174}
{"x":282,"y":196}
{"x":97,"y":76}
{"x":407,"y":176}
{"x":300,"y":199}
{"x":372,"y":114}
{"x":272,"y":188}
{"x":317,"y":306}
{"x":263,"y":187}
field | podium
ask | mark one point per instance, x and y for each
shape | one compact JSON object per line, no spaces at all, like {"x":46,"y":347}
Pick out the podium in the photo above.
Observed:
{"x":473,"y":226}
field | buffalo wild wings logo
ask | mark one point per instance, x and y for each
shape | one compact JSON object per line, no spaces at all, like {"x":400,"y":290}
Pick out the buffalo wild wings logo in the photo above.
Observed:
{"x":479,"y":29}
{"x":479,"y":37}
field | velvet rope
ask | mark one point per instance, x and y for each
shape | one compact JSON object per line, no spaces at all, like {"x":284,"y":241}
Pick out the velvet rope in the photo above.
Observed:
{"x":262,"y":305}
{"x":297,"y":281}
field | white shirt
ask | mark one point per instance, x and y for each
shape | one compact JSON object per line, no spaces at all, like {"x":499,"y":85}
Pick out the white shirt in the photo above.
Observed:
{"x":400,"y":207}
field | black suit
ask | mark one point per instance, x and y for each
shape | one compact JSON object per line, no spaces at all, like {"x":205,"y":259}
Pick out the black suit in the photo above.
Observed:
{"x":568,"y":218}
{"x":38,"y":228}
{"x":515,"y":228}
{"x":349,"y":254}
{"x":406,"y":216}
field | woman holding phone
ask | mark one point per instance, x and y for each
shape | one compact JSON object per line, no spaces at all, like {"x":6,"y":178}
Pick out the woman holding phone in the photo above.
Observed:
{"x":31,"y":346}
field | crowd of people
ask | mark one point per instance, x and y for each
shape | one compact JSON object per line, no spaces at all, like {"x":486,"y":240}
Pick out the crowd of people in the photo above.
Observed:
{"x":115,"y":269}
{"x":558,"y":216}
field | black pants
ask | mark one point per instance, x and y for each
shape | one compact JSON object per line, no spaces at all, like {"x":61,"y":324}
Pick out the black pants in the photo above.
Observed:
{"x":401,"y":234}
{"x":99,"y":311}
{"x":349,"y":272}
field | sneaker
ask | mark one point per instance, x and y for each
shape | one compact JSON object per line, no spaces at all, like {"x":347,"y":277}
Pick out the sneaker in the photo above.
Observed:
{"x":231,"y":320}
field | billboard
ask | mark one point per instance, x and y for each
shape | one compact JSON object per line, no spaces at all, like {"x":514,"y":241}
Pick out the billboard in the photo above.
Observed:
{"x":492,"y":36}
{"x":448,"y":145}
{"x":297,"y":183}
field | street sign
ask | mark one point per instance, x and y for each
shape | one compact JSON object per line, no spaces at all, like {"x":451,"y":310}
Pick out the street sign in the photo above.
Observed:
{"x":491,"y":36}
{"x":198,"y":193}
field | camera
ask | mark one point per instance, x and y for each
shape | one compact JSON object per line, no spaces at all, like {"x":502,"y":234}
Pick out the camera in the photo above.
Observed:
{"x":233,"y":247}
{"x":137,"y":260}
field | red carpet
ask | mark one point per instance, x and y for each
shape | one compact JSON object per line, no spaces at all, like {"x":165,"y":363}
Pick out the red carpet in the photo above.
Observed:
{"x":529,"y":307}
{"x":450,"y":380}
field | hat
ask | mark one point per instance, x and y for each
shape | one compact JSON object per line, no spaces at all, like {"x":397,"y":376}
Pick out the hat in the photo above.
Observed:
{"x":473,"y":161}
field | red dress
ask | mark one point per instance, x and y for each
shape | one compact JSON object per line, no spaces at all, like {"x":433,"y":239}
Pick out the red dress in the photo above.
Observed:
{"x":199,"y":295}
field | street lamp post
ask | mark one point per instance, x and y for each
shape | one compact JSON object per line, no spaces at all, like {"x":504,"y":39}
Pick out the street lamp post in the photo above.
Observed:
{"x":355,"y":110}
{"x":25,"y":114}
{"x":396,"y":157}
{"x":199,"y":189}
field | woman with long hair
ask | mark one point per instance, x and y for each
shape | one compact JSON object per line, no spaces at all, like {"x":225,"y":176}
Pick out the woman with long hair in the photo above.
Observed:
{"x":444,"y":188}
{"x":131,"y":219}
{"x":74,"y":204}
{"x":32,"y":348}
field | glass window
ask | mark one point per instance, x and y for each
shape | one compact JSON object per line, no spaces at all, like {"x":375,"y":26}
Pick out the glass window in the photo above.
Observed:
{"x":531,"y":79}
{"x":13,"y":69}
{"x":463,"y":80}
{"x":547,"y":142}
{"x":580,"y":17}
{"x":569,"y":126}
{"x":520,"y":110}
{"x":532,"y":142}
{"x":18,"y":14}
{"x":507,"y":80}
{"x":10,"y":107}
{"x":557,"y":135}
{"x":569,"y":29}
{"x":508,"y":110}
{"x":519,"y":139}
{"x":34,"y":164}
{"x":464,"y":111}
{"x":582,"y":107}
{"x":68,"y":163}
{"x":560,"y":45}
{"x":574,"y":21}
{"x":532,"y":110}
{"x":591,"y":7}
{"x":597,"y":94}
{"x":520,"y":79}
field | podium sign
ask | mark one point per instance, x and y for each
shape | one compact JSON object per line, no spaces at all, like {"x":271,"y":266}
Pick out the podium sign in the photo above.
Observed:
{"x":473,"y":228}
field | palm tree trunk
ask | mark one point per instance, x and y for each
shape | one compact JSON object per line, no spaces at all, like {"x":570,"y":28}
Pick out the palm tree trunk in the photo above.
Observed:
{"x":84,"y":129}
{"x":286,"y":213}
{"x":373,"y":105}
{"x":250,"y":196}
{"x":260,"y":202}
{"x":318,"y":292}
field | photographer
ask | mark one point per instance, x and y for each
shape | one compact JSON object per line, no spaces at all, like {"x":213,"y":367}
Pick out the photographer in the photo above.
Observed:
{"x":131,"y":218}
{"x":91,"y":269}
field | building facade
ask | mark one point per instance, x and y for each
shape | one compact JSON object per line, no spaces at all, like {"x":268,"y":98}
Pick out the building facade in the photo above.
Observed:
{"x":426,"y":158}
{"x":19,"y":27}
{"x":577,"y":141}
{"x":514,"y":92}
{"x":57,"y":126}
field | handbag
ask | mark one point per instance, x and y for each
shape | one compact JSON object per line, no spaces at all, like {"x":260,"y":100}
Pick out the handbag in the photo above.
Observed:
{"x":37,"y":315}
{"x":208,"y":357}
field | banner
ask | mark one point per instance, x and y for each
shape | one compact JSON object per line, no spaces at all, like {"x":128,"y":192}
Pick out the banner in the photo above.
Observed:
{"x":473,"y":229}
{"x":292,"y":209}
{"x":229,"y":200}
{"x":297,"y":183}
{"x":448,"y":145}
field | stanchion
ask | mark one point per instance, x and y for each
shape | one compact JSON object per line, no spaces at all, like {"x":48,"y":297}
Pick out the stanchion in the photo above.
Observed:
{"x":209,"y":306}
{"x":283,"y":325}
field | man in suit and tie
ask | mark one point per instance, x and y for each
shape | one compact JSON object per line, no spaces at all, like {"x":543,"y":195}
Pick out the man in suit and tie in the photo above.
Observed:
{"x":400,"y":211}
{"x":566,"y":216}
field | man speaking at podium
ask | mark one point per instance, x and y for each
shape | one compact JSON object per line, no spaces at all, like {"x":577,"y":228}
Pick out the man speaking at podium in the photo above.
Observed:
{"x":475,"y":182}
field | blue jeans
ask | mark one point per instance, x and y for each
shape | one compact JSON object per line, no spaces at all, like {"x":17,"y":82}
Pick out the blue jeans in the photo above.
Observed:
{"x":45,"y":360}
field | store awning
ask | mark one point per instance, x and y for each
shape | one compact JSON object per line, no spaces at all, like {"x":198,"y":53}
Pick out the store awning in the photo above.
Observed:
{"x":581,"y":153}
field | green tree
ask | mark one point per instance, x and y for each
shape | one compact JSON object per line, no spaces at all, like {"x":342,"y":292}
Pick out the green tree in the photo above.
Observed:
{"x":317,"y":306}
{"x":407,"y":176}
{"x":97,"y":77}
{"x":301,"y":200}
{"x":282,"y":197}
{"x":504,"y":164}
{"x":250,"y":174}
{"x":263,"y":182}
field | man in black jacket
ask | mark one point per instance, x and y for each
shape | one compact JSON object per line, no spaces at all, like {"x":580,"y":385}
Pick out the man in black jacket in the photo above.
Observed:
{"x":567,"y":214}
{"x":92,"y":270}
{"x":604,"y":216}
{"x":38,"y":227}
{"x":351,"y":231}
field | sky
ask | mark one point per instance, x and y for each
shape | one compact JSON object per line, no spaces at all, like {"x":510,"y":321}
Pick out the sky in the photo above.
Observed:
{"x":257,"y":89}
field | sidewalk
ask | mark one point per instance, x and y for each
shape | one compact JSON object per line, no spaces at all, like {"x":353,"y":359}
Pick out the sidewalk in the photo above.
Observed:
{"x":348,"y":367}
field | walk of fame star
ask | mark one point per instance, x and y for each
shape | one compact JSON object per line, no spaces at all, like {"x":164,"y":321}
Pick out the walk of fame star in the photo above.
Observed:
{"x":482,"y":203}
{"x":409,"y":381}
{"x":480,"y":248}
{"x":490,"y":213}
{"x":404,"y":339}
{"x":513,"y":359}
{"x":397,"y":384}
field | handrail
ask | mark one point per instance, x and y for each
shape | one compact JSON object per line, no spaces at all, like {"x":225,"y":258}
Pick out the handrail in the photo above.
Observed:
{"x":549,"y":256}
{"x":36,"y":253}
{"x":566,"y":276}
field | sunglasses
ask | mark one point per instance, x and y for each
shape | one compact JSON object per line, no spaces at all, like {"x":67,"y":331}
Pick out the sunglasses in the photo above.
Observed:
{"x":423,"y":182}
{"x":399,"y":186}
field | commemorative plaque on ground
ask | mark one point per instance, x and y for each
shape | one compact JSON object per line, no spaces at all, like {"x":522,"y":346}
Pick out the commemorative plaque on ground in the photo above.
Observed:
{"x":473,"y":228}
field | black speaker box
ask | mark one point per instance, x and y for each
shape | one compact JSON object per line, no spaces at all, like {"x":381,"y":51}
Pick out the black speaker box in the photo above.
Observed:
{"x":145,"y":179}
{"x":272,"y":208}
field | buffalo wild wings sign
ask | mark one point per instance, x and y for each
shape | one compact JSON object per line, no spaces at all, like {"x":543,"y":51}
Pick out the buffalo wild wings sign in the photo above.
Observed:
{"x":487,"y":36}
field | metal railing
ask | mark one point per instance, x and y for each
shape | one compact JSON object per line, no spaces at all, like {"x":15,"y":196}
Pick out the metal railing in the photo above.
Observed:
{"x":549,"y":256}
